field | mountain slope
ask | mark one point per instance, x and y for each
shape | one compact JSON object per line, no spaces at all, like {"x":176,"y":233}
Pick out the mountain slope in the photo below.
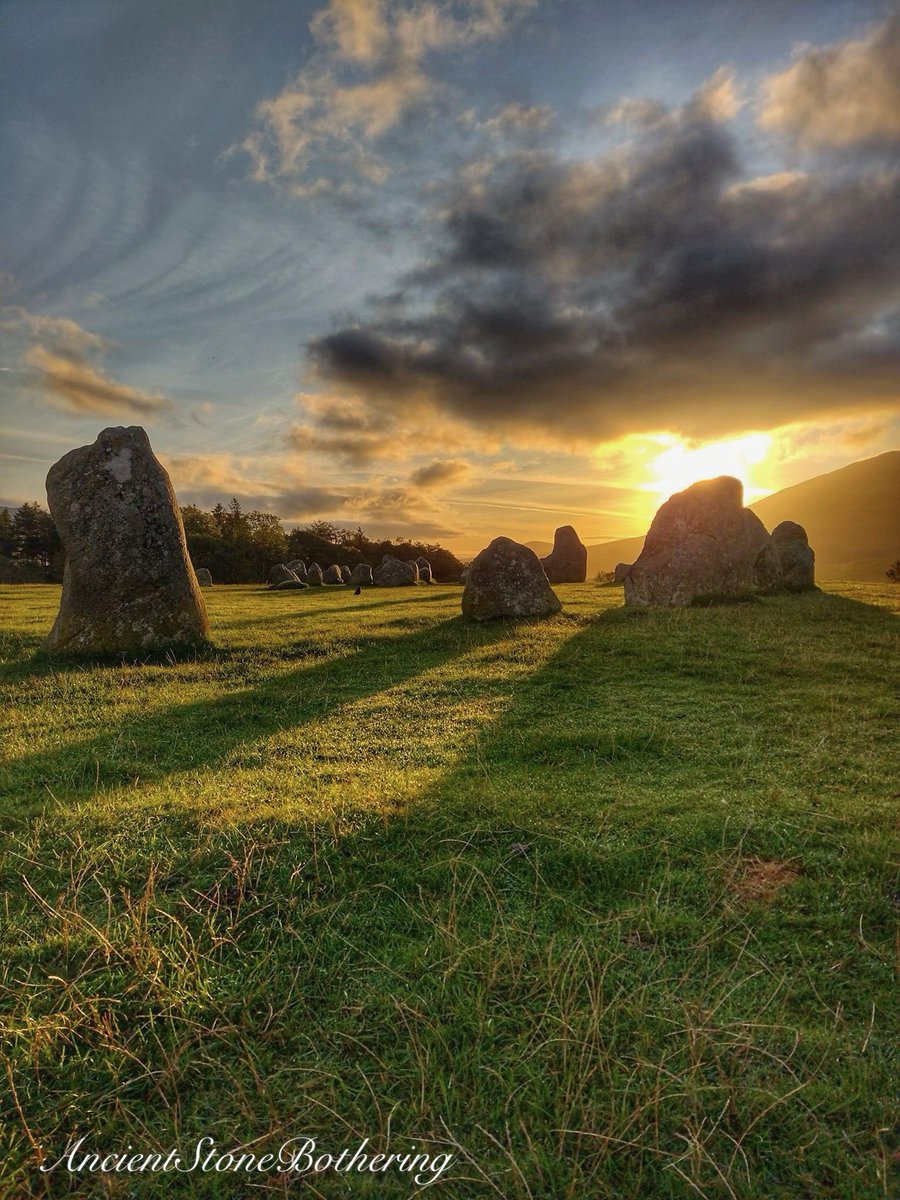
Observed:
{"x":852,"y":517}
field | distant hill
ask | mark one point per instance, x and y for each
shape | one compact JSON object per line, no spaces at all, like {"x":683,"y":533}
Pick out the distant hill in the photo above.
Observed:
{"x":852,"y":517}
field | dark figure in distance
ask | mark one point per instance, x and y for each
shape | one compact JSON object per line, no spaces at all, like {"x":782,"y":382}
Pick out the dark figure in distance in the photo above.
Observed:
{"x":358,"y":591}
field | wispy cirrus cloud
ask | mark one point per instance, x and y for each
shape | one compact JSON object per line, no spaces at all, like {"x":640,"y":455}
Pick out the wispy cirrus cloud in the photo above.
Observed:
{"x":369,"y":73}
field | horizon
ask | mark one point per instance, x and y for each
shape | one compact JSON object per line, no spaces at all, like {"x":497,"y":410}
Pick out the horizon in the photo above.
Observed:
{"x":449,"y":271}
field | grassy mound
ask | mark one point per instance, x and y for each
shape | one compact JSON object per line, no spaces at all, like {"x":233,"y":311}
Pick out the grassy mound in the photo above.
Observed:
{"x":603,"y":904}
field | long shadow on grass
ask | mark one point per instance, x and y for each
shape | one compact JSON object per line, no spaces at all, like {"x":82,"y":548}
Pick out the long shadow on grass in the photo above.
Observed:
{"x":189,"y":736}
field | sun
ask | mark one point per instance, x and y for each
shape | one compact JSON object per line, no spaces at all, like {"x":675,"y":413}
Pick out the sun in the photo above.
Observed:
{"x":682,"y":463}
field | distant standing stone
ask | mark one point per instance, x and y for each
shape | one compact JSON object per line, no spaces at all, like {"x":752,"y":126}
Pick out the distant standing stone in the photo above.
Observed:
{"x":361,"y":575}
{"x":332,"y":574}
{"x":795,"y":556}
{"x":702,"y":545}
{"x":204,"y":578}
{"x":507,"y":580}
{"x":298,"y":566}
{"x":129,"y":586}
{"x":567,"y":561}
{"x":281,"y":573}
{"x":346,"y":573}
{"x":314,"y":575}
{"x":426,"y":575}
{"x":621,"y":571}
{"x":394,"y":572}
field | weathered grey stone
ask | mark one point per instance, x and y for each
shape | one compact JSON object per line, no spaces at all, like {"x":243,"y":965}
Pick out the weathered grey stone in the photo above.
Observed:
{"x":204,"y":578}
{"x":567,"y":561}
{"x":281,"y":573}
{"x":361,"y":576}
{"x":702,"y":545}
{"x":288,"y":584}
{"x":298,"y":566}
{"x":796,"y":559}
{"x":507,"y":580}
{"x":129,"y":586}
{"x":332,"y":574}
{"x":426,"y":575}
{"x":394,"y":572}
{"x":621,"y":571}
{"x":314,"y":575}
{"x":346,"y":573}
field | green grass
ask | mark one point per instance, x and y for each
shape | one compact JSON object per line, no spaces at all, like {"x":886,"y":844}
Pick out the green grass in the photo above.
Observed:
{"x":603,"y":904}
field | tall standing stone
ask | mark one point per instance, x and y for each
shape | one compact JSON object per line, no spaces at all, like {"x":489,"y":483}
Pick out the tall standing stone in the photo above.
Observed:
{"x":129,"y":587}
{"x":703,"y":545}
{"x":795,"y":556}
{"x":567,"y":561}
{"x":507,"y":580}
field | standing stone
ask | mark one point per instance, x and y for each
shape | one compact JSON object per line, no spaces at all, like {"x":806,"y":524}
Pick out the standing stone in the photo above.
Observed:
{"x":281,"y":573}
{"x":314,"y":575}
{"x":361,"y":576}
{"x":332,"y":574}
{"x":298,"y":566}
{"x":567,"y":561}
{"x":204,"y":578}
{"x":426,"y":575}
{"x":346,"y":573}
{"x":394,"y":572}
{"x":129,"y":586}
{"x":702,"y":545}
{"x":507,"y":580}
{"x":621,"y":571}
{"x":795,"y":556}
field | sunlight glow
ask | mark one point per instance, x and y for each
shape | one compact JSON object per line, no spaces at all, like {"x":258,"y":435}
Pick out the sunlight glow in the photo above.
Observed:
{"x":682,"y":463}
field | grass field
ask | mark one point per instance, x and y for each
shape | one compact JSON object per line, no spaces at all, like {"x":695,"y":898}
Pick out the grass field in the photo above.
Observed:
{"x":604,"y":905}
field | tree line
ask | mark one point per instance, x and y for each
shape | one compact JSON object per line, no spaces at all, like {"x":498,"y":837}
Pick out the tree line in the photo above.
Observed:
{"x":236,"y":546}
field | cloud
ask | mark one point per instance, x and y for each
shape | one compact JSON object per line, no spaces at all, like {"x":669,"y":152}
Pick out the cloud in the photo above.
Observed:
{"x":366,"y":76}
{"x":440,"y":474}
{"x":512,"y":120}
{"x":63,"y":362}
{"x":840,"y":95}
{"x":656,"y":286}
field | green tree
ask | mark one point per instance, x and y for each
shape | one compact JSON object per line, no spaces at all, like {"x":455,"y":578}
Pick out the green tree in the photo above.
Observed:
{"x":893,"y":572}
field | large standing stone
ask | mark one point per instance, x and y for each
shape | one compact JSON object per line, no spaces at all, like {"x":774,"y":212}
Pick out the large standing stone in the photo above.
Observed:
{"x":426,"y":575}
{"x":507,"y":580}
{"x":621,"y":571}
{"x":204,"y":578}
{"x":314,"y":575}
{"x":361,"y":576}
{"x":795,"y":556}
{"x":567,"y":561}
{"x":332,"y":574}
{"x":702,"y":545}
{"x":346,"y":573}
{"x":129,"y":586}
{"x":394,"y":572}
{"x":298,"y":566}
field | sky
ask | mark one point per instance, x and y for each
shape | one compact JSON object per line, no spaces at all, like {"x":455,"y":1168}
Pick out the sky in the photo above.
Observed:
{"x":451,"y":269}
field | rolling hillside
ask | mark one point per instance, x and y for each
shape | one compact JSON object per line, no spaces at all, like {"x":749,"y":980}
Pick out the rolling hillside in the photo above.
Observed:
{"x":852,"y":517}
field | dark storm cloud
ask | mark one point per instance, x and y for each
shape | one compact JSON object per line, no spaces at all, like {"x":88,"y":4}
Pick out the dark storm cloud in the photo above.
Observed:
{"x":655,"y":286}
